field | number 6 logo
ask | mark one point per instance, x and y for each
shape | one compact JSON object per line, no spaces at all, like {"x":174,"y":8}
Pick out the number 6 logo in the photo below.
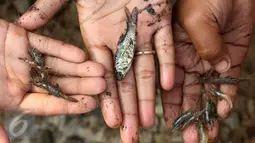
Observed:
{"x":19,"y":125}
{"x":15,"y":123}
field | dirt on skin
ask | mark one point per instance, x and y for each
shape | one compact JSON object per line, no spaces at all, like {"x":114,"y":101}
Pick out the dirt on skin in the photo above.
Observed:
{"x":91,"y":128}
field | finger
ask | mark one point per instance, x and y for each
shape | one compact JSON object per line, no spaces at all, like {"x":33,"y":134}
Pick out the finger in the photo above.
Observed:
{"x":145,"y":80}
{"x":191,"y":93}
{"x":223,"y":108}
{"x":85,"y":69}
{"x":109,"y":100}
{"x":3,"y":135}
{"x":127,"y":93}
{"x":39,"y":13}
{"x":165,"y":51}
{"x":48,"y":105}
{"x":203,"y":30}
{"x":190,"y":134}
{"x":171,"y":100}
{"x":71,"y":85}
{"x":213,"y":133}
{"x":56,"y":48}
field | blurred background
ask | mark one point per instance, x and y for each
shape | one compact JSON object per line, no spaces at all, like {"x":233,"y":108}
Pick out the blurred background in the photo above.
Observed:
{"x":91,"y":128}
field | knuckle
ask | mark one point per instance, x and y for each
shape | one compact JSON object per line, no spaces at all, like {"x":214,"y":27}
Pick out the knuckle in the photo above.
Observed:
{"x":209,"y":53}
{"x":146,"y":74}
{"x":165,"y":47}
{"x":109,"y":75}
{"x":126,"y":86}
{"x":144,"y":46}
{"x":130,"y":114}
{"x":167,"y":65}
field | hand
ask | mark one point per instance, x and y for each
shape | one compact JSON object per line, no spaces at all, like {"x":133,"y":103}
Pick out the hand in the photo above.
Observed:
{"x":102,"y":23}
{"x":83,"y":78}
{"x":217,"y":31}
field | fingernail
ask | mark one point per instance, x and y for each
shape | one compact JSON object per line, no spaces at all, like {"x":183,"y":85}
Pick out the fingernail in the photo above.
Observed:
{"x":222,"y":66}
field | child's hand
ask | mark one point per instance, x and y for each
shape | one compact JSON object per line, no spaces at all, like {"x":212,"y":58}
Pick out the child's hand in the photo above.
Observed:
{"x":80,"y":78}
{"x":102,"y":22}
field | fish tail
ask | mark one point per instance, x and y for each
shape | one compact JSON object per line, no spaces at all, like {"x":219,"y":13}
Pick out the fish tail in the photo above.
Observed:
{"x":227,"y":99}
{"x":69,"y":98}
{"x":202,"y":133}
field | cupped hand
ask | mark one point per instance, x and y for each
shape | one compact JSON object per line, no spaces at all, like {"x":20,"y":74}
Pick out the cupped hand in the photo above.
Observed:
{"x":63,"y":59}
{"x":102,"y":23}
{"x":207,"y":34}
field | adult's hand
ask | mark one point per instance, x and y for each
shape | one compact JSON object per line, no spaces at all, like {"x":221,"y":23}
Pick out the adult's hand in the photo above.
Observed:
{"x":102,"y":22}
{"x":63,"y":59}
{"x":218,"y":31}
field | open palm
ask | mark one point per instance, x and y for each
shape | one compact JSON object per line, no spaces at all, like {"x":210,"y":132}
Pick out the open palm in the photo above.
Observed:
{"x":18,"y":90}
{"x":102,"y":23}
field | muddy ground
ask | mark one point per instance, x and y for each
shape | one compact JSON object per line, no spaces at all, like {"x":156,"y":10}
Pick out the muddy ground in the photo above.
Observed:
{"x":90,"y":128}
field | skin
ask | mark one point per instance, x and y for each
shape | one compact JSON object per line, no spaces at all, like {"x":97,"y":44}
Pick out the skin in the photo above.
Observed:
{"x":218,"y":31}
{"x":17,"y":94}
{"x":102,"y":22}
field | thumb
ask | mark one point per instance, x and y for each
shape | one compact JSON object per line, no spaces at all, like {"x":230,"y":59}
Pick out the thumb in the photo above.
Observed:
{"x":203,"y":29}
{"x":39,"y":13}
{"x":3,"y":135}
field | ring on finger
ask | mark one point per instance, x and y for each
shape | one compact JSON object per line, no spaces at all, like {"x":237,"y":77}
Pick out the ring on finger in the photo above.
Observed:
{"x":138,"y":53}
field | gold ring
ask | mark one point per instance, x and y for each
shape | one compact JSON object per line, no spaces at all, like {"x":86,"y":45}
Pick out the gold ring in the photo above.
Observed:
{"x":138,"y":53}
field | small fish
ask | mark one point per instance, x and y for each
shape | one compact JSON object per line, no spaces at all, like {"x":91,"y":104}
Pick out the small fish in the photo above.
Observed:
{"x":217,"y":93}
{"x":202,"y":133}
{"x":54,"y":90}
{"x":221,"y":80}
{"x":126,"y":45}
{"x":210,"y":112}
{"x":39,"y":81}
{"x":39,"y":68}
{"x":37,"y":56}
{"x":182,"y":119}
{"x":192,"y":118}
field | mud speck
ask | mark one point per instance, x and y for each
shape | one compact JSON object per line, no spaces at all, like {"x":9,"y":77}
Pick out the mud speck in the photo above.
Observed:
{"x":150,"y":10}
{"x":108,"y":94}
{"x":159,"y":18}
{"x":150,"y":24}
{"x":124,"y":128}
{"x":42,"y":16}
{"x":33,"y":8}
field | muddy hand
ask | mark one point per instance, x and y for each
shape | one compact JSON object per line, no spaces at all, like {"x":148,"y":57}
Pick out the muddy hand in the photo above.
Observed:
{"x":16,"y":74}
{"x":220,"y":32}
{"x":102,"y":24}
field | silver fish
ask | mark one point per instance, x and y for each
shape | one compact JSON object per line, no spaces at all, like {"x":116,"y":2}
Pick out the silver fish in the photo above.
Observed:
{"x":126,"y":45}
{"x":202,"y":133}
